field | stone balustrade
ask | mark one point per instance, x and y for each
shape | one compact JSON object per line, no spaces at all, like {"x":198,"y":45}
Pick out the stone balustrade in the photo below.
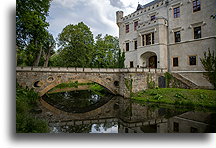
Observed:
{"x":91,"y":70}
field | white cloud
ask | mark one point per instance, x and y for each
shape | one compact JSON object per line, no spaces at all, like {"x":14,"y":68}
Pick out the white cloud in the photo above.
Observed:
{"x":99,"y":15}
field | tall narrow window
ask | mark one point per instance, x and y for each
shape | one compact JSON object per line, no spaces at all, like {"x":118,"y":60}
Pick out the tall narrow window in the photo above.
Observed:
{"x":175,"y":62}
{"x":127,"y":46}
{"x":177,"y":36}
{"x":127,"y":28}
{"x":135,"y":45}
{"x":153,"y":17}
{"x":192,"y":60}
{"x":152,"y":34}
{"x":196,"y":5}
{"x":143,"y":40}
{"x":131,"y":64}
{"x":197,"y":32}
{"x":149,"y":38}
{"x":135,"y":25}
{"x":176,"y":12}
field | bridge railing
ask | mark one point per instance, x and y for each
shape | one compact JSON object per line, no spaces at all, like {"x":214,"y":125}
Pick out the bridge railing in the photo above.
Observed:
{"x":92,"y":70}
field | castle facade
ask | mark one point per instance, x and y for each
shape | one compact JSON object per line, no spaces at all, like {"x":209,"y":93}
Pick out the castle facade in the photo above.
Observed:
{"x":170,"y":34}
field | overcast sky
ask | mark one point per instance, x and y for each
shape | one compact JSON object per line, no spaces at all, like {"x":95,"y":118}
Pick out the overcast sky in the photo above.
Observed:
{"x":99,"y":15}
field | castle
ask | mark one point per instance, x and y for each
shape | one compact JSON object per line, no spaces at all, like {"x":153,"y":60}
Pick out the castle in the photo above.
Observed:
{"x":170,"y":34}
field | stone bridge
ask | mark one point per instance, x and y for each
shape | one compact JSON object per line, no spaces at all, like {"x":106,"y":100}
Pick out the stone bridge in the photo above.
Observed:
{"x":118,"y":81}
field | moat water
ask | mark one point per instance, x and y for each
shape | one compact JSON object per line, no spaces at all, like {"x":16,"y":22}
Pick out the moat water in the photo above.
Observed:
{"x":92,"y":112}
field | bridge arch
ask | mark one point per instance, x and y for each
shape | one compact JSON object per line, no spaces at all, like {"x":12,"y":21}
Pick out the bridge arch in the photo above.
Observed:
{"x":101,"y":82}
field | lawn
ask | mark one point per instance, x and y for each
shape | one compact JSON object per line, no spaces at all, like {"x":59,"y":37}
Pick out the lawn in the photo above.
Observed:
{"x":176,"y":96}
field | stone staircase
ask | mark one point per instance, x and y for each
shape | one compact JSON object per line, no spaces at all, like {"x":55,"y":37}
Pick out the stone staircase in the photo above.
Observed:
{"x":193,"y":80}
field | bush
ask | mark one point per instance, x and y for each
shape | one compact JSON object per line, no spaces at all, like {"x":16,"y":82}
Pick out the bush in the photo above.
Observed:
{"x":26,"y":100}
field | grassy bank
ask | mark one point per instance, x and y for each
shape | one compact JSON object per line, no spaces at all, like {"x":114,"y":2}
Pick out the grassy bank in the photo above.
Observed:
{"x":26,"y":104}
{"x":96,"y":88}
{"x":176,"y":96}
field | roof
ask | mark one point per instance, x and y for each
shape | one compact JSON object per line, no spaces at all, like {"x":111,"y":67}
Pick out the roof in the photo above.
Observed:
{"x":147,"y":5}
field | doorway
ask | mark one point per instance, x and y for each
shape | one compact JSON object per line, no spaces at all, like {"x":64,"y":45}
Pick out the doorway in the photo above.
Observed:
{"x":153,"y":62}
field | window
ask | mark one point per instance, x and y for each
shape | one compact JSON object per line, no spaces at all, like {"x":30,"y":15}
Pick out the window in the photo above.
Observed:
{"x":152,"y":38}
{"x":135,"y":25}
{"x":197,"y":32}
{"x":176,"y":12}
{"x":127,"y":46}
{"x":175,"y":62}
{"x":192,"y":60}
{"x":148,"y":39}
{"x":131,"y":64}
{"x":176,"y":127}
{"x":177,"y":36}
{"x":153,"y":17}
{"x":196,"y":5}
{"x":135,"y":45}
{"x":127,"y":28}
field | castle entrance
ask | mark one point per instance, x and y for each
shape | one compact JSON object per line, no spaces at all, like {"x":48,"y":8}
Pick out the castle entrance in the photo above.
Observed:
{"x":148,"y":60}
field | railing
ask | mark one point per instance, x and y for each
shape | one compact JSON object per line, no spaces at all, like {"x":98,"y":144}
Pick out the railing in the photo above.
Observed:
{"x":91,"y":70}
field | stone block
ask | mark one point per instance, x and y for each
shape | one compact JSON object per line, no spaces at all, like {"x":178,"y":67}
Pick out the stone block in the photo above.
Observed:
{"x":95,"y":70}
{"x":79,"y":69}
{"x":103,"y":70}
{"x":87,"y":70}
{"x":71,"y":69}
{"x":139,"y":70}
{"x":110,"y":70}
{"x":152,"y":70}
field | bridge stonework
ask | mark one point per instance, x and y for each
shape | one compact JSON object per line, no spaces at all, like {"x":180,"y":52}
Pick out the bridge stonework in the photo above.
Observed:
{"x":118,"y":81}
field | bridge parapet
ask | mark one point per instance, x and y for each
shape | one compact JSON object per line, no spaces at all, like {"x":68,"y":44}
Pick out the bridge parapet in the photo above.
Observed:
{"x":90,"y":70}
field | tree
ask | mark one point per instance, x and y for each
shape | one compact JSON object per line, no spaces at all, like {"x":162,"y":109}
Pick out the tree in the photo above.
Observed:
{"x":31,"y":29}
{"x":75,"y":46}
{"x":107,"y":52}
{"x":208,"y":62}
{"x":48,"y":49}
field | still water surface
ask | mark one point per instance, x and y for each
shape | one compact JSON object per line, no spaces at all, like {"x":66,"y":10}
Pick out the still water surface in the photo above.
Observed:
{"x":90,"y":112}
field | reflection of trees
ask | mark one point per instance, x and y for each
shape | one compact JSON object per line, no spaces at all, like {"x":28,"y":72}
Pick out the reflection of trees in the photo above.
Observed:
{"x":76,"y":128}
{"x":104,"y":126}
{"x":76,"y":101}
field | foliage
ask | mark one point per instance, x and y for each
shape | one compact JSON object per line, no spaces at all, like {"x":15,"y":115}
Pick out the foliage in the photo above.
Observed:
{"x":150,"y":82}
{"x":129,"y":85}
{"x":31,"y":30}
{"x":208,"y":62}
{"x":25,"y":120}
{"x":107,"y":53}
{"x":168,"y":78}
{"x":188,"y":97}
{"x":75,"y":46}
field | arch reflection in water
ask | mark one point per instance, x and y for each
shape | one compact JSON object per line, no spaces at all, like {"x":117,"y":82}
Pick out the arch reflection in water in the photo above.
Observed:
{"x":108,"y":114}
{"x":77,"y":101}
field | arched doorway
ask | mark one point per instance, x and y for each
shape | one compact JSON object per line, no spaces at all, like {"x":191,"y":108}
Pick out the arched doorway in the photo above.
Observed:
{"x":149,"y":60}
{"x":153,"y":62}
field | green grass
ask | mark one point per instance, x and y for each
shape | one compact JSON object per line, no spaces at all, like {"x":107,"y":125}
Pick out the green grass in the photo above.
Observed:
{"x":26,"y":122}
{"x":176,"y":96}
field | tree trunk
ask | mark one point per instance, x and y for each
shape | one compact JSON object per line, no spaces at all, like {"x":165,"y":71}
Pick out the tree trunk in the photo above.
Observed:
{"x":47,"y":58}
{"x":36,"y":63}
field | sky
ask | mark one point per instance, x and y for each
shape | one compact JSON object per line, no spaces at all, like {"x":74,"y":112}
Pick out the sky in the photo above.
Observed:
{"x":99,"y":15}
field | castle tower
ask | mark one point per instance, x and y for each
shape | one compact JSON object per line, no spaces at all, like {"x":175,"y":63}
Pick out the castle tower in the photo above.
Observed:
{"x":119,"y":17}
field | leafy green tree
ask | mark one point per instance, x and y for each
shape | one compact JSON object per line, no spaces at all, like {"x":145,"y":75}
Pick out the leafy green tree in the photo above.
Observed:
{"x":48,"y":49}
{"x":75,"y":46}
{"x":107,"y":52}
{"x":208,"y":62}
{"x":31,"y":30}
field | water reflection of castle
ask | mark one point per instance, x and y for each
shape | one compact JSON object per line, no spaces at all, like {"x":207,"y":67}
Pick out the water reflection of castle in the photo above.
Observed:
{"x":125,"y":116}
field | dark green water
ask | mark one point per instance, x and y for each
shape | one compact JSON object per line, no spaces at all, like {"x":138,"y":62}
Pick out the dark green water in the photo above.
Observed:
{"x":94,"y":113}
